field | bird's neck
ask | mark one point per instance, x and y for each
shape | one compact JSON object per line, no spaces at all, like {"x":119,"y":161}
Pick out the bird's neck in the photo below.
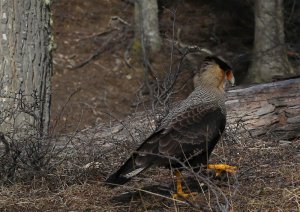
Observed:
{"x":209,"y":93}
{"x":212,"y":88}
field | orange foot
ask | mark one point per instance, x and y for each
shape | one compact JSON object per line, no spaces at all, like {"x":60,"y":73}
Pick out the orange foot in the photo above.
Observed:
{"x":184,"y":195}
{"x":219,"y":168}
{"x":180,"y":192}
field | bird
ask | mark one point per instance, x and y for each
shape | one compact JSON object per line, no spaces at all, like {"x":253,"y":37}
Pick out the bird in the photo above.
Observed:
{"x":190,"y":131}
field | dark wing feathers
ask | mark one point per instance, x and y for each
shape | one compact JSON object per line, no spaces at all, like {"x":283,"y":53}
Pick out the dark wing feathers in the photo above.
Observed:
{"x":197,"y":127}
{"x":194,"y":126}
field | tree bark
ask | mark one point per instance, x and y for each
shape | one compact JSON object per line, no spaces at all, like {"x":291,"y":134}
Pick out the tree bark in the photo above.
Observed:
{"x":270,"y":110}
{"x":269,"y":56}
{"x":25,"y":65}
{"x":147,"y":27}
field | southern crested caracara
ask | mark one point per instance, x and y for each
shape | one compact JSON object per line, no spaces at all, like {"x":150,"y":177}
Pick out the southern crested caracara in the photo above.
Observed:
{"x":189,"y":132}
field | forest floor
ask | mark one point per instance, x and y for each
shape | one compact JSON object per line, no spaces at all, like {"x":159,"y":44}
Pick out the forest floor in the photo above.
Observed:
{"x":90,"y":92}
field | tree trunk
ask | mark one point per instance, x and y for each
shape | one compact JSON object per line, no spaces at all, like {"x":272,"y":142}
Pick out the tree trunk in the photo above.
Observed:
{"x":147,"y":27}
{"x":269,"y":56}
{"x":269,"y":110}
{"x":25,"y":65}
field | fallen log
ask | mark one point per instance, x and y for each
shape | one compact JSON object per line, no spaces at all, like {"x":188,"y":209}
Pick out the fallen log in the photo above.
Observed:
{"x":266,"y":111}
{"x":270,"y":109}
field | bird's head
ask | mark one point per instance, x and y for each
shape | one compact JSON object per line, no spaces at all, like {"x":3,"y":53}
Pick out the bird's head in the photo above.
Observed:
{"x":215,"y":72}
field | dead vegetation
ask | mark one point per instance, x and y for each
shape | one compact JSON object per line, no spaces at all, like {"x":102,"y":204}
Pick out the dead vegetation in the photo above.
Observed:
{"x":77,"y":163}
{"x":267,"y":177}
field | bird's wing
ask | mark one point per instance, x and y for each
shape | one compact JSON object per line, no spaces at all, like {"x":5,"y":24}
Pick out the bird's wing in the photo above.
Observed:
{"x":196,"y":126}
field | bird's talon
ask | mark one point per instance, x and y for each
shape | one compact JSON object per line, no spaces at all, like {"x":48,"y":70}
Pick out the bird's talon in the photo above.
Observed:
{"x":218,"y":173}
{"x":184,"y":195}
{"x":219,"y":168}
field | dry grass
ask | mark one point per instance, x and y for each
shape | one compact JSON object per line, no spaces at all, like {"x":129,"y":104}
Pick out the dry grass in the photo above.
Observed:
{"x":269,"y":176}
{"x":268,"y":179}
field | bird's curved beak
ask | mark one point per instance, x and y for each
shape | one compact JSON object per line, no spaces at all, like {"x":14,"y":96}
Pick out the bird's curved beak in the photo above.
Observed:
{"x":230,"y":77}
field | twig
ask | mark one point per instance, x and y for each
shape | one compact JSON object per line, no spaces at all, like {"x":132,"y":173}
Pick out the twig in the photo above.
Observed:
{"x":95,"y":55}
{"x":96,"y":34}
{"x":63,"y":108}
{"x":6,"y":144}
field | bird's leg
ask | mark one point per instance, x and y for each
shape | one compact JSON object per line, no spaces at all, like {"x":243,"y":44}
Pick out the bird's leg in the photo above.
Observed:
{"x":219,"y":168}
{"x":180,"y":192}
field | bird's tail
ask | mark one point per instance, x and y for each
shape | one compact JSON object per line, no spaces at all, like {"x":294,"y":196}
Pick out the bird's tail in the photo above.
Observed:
{"x":125,"y":173}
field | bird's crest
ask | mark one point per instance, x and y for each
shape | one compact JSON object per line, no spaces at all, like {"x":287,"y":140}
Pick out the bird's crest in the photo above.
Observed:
{"x":220,"y":61}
